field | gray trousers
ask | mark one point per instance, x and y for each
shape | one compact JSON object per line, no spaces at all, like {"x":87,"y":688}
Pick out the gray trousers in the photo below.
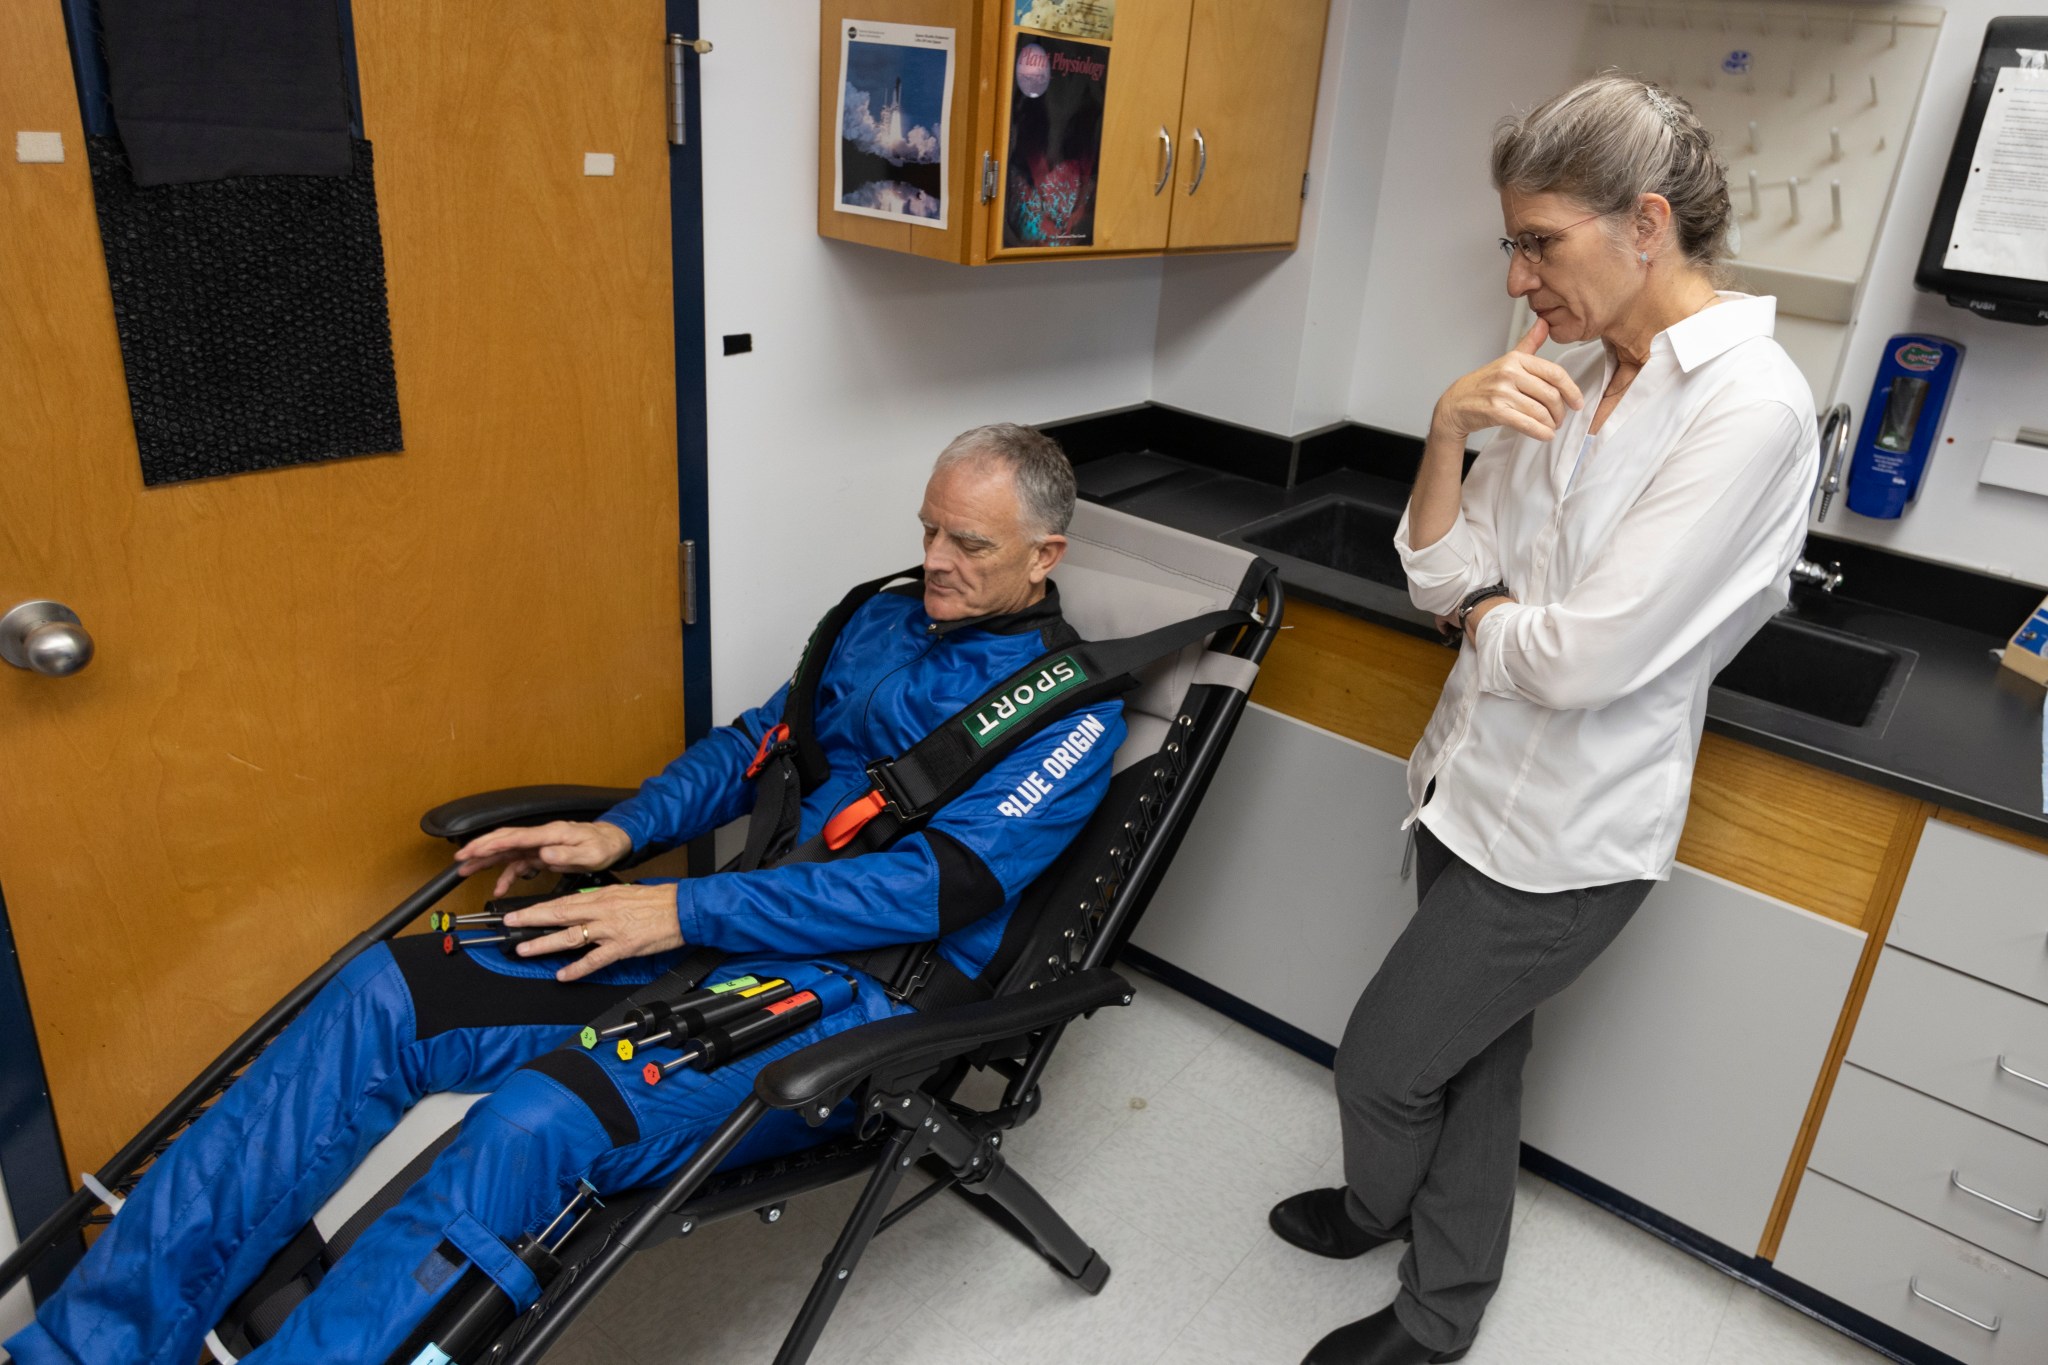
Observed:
{"x":1429,"y":1076}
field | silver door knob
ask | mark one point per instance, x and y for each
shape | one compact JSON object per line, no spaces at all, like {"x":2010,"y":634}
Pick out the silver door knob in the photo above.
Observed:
{"x":46,"y":638}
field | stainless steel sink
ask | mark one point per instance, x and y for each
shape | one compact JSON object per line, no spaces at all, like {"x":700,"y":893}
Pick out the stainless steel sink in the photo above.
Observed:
{"x":1819,"y":672}
{"x":1339,"y":533}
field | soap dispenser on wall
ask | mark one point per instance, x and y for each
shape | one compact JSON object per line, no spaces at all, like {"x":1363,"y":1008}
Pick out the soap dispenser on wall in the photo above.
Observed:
{"x":1902,"y":423}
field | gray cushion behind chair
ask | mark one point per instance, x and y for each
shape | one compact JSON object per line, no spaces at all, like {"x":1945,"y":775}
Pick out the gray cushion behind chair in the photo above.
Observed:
{"x":1124,"y":576}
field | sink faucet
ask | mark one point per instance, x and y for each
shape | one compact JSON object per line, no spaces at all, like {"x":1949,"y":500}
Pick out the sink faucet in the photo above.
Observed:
{"x":1834,"y":441}
{"x":1827,"y":577}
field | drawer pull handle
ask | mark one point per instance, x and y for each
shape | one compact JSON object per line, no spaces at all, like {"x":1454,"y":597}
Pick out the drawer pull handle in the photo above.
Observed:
{"x":1955,"y":1178}
{"x":2030,"y":1080}
{"x":1913,"y":1285}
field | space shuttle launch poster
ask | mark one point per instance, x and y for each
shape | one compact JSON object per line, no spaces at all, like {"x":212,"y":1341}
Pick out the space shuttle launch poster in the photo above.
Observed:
{"x":895,"y":107}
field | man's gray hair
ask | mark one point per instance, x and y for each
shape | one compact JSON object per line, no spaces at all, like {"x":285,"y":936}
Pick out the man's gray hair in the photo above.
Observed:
{"x":1611,"y":139}
{"x":1039,"y":468}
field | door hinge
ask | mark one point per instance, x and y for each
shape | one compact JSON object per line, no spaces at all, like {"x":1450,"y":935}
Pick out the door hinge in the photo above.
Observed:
{"x":676,"y":43}
{"x":1304,"y":184}
{"x":689,"y":575}
{"x":988,"y":176}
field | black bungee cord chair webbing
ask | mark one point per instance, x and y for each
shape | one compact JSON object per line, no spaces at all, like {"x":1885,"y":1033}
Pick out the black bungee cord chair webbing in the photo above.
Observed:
{"x":1052,"y":967}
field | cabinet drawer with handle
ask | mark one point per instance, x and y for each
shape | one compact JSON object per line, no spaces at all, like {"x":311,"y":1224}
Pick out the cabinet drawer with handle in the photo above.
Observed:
{"x":1977,"y":904}
{"x":1984,"y":1183}
{"x":1959,"y":1039}
{"x":1979,"y":1308}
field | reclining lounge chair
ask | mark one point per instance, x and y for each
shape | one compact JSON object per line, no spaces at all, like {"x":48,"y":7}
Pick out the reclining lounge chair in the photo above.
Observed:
{"x":1121,"y":577}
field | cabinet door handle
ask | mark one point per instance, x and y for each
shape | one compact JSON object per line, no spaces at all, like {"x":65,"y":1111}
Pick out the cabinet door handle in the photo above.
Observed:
{"x":1955,"y":1178}
{"x":1913,"y":1286}
{"x":2030,"y":1080}
{"x":1201,"y":161}
{"x":1166,"y":168}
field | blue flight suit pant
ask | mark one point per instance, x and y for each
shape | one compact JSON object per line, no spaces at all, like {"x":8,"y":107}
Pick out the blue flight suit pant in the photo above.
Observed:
{"x":400,"y":1022}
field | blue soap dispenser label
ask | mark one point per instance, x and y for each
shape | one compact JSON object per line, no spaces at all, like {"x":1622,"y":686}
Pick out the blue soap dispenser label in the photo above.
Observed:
{"x":1902,"y":423}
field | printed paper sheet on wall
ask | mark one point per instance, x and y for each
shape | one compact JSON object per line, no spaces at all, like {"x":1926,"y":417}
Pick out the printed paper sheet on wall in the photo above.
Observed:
{"x":1055,"y":149}
{"x":1074,"y":18}
{"x":2002,"y":221}
{"x":895,"y":106}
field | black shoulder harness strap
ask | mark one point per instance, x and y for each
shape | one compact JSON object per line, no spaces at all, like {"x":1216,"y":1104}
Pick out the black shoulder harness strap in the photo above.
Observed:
{"x":790,"y":762}
{"x":909,"y":790}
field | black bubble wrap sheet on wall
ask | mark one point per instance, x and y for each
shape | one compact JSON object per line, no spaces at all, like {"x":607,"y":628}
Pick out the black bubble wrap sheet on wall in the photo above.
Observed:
{"x":252,"y":313}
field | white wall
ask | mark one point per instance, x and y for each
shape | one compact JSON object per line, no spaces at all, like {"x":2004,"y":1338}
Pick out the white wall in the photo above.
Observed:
{"x":2004,"y":382}
{"x":1434,"y":270}
{"x":865,"y":362}
{"x":1268,"y":339}
{"x":1436,"y":302}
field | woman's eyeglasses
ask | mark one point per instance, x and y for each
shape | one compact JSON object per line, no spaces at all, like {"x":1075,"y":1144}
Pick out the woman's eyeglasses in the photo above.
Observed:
{"x":1531,"y":244}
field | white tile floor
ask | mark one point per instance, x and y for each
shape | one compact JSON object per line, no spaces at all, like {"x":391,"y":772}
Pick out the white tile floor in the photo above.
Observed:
{"x":1147,"y":1143}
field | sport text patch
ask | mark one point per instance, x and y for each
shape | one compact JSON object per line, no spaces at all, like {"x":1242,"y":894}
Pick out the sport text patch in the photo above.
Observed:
{"x":998,"y":714}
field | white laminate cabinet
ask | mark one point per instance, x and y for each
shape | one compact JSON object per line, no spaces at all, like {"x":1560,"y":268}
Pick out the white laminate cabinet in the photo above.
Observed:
{"x":1931,"y":1165}
{"x":1679,"y":1067}
{"x":1915,"y":1277}
{"x":1977,"y":904}
{"x":1941,"y":1164}
{"x":1975,"y":1045}
{"x":1287,"y":891}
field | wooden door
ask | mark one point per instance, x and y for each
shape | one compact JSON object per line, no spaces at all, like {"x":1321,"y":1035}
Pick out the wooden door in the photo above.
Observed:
{"x":1142,"y":101}
{"x":293,"y":665}
{"x":1250,"y":100}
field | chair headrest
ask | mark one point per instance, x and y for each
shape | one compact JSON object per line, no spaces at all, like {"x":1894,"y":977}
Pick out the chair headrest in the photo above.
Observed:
{"x":1123,"y":576}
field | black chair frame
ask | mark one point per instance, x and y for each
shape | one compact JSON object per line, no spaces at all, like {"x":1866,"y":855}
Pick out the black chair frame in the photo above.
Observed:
{"x":903,"y":1072}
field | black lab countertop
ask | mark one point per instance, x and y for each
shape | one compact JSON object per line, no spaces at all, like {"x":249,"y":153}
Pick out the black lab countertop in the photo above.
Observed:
{"x":1962,"y":731}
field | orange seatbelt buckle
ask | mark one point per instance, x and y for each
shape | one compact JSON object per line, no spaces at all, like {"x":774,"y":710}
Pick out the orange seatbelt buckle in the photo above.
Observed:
{"x":841,"y":828}
{"x":777,"y":736}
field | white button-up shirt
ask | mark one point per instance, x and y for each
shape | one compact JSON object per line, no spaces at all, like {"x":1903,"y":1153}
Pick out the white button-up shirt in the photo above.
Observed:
{"x":1641,"y":559}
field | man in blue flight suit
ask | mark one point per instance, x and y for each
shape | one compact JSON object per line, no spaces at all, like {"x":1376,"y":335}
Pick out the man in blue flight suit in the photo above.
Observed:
{"x":405,"y":1019}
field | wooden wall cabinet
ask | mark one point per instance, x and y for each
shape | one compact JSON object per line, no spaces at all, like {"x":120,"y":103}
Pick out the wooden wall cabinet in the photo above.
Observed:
{"x":1207,"y":113}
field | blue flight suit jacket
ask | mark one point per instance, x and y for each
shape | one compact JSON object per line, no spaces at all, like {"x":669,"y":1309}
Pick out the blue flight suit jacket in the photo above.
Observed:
{"x":894,"y":676}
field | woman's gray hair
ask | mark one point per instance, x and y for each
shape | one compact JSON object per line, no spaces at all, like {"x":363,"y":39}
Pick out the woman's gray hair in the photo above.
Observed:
{"x":1037,"y":465}
{"x":1611,"y":139}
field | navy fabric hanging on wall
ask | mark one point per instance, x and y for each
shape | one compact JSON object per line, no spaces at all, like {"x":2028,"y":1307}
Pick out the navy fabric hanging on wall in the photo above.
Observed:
{"x":239,"y":218}
{"x":204,"y":89}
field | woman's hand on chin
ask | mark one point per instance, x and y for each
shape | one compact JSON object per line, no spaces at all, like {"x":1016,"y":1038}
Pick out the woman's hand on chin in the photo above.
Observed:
{"x":1520,"y":391}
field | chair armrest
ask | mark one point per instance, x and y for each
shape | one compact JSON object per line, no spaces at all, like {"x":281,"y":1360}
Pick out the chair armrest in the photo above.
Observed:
{"x":461,"y":820}
{"x":909,"y":1042}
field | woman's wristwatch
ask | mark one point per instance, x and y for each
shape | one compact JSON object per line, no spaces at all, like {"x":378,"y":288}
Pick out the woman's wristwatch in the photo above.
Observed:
{"x":1456,"y":630}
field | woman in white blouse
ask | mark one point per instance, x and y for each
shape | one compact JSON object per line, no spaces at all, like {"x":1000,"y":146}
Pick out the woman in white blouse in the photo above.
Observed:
{"x":1628,"y":527}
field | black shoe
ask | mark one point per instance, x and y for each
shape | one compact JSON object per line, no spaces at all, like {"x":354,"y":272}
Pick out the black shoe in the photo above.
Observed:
{"x":1377,"y":1340}
{"x":1315,"y":1220}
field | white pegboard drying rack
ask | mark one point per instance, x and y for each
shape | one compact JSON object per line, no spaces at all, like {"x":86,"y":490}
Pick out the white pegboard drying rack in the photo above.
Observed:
{"x":1810,"y":105}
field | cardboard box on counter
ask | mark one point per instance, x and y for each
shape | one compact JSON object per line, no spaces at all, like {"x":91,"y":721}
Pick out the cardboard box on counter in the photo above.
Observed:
{"x":2027,"y":652}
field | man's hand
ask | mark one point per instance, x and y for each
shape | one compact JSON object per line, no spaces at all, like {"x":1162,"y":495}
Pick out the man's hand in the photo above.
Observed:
{"x":527,"y":850}
{"x":616,"y":921}
{"x":1520,"y":391}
